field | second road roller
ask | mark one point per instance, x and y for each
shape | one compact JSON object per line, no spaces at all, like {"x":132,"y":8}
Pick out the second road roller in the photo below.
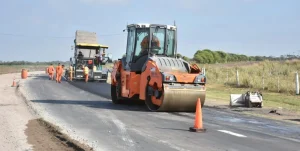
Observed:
{"x":151,"y":72}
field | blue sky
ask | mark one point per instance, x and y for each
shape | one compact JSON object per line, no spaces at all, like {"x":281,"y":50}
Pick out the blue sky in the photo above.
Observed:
{"x":44,"y":30}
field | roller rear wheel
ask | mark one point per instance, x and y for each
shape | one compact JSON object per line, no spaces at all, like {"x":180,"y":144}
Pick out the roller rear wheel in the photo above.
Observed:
{"x":116,"y":92}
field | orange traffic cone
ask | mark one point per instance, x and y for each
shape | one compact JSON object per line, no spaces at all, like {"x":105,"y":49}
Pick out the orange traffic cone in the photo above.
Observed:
{"x":14,"y":83}
{"x":198,"y":127}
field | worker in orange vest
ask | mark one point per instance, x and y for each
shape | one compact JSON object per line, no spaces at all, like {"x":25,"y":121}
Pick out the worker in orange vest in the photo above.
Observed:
{"x":50,"y":71}
{"x":70,"y":73}
{"x":58,"y":73}
{"x":62,"y":69}
{"x":86,"y":72}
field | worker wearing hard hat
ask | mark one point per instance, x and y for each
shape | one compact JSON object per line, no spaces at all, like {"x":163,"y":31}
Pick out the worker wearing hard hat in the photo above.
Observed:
{"x":70,"y":73}
{"x":94,"y":68}
{"x":62,"y":69}
{"x":103,"y":55}
{"x":59,"y":70}
{"x":86,"y":72}
{"x":145,"y":44}
{"x":50,"y":71}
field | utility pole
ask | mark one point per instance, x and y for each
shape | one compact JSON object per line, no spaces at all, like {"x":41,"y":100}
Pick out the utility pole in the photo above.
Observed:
{"x":297,"y":83}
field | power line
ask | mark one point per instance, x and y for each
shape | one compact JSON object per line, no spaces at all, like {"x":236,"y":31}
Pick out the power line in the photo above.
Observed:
{"x":36,"y":36}
{"x":18,"y":35}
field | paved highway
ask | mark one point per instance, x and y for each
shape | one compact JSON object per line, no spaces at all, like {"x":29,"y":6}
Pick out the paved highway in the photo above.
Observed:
{"x":85,"y":112}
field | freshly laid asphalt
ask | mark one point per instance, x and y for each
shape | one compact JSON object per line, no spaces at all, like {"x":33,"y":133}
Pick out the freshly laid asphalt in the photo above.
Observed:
{"x":87,"y":111}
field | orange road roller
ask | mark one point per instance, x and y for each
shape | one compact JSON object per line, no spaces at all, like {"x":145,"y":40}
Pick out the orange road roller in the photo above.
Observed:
{"x":151,"y":72}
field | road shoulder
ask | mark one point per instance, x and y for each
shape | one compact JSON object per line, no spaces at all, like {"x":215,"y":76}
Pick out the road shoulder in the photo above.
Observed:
{"x":279,"y":114}
{"x":14,"y":116}
{"x":22,"y":128}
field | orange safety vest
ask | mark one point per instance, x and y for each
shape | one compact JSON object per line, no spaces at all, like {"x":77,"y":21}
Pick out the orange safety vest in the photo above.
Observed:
{"x":71,"y":69}
{"x":50,"y":69}
{"x":86,"y":70}
{"x":59,"y":69}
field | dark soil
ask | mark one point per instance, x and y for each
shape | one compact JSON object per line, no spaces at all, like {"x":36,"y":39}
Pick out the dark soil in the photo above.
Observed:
{"x":46,"y":137}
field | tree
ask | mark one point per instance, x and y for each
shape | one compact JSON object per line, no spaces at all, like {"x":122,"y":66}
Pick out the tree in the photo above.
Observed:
{"x":186,"y":58}
{"x":204,"y":56}
{"x":232,"y":57}
{"x":178,"y":55}
{"x":243,"y":58}
{"x":259,"y":58}
{"x":217,"y":57}
{"x":223,"y":56}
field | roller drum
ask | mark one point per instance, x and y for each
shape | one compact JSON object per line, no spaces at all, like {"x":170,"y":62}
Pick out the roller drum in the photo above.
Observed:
{"x":178,"y":98}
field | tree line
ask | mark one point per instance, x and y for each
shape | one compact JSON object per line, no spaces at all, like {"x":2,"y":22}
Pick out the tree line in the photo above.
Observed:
{"x":31,"y":63}
{"x":37,"y":62}
{"x":200,"y":56}
{"x":208,"y":56}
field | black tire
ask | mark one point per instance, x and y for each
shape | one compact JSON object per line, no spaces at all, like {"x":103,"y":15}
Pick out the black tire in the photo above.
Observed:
{"x":115,"y":92}
{"x":248,"y":102}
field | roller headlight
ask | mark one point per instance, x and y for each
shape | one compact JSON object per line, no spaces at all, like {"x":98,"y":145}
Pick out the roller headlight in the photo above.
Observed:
{"x":169,"y":78}
{"x":200,"y":79}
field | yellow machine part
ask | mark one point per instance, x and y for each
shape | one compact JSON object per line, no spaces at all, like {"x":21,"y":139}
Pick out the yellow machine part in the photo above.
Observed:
{"x":178,"y":98}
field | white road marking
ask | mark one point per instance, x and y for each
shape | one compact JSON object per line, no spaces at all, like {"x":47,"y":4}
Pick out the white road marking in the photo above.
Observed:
{"x":122,"y":129}
{"x":232,"y":133}
{"x":172,"y":145}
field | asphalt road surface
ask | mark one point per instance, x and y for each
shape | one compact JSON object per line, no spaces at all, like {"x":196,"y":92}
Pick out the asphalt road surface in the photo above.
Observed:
{"x":86,"y":110}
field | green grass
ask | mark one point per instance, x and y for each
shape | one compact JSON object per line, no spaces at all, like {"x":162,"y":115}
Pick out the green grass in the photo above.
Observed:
{"x":271,"y":99}
{"x":271,"y":76}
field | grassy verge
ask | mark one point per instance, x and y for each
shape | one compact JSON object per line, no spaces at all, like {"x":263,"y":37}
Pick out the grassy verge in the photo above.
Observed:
{"x":222,"y":93}
{"x":271,"y":76}
{"x":5,"y":69}
{"x":109,"y":65}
